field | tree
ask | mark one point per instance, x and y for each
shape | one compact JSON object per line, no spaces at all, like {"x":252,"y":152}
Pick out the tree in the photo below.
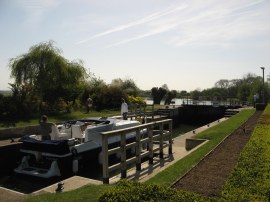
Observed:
{"x":158,"y":94}
{"x":165,"y":86}
{"x":223,"y":83}
{"x":233,"y":86}
{"x":249,"y":86}
{"x":128,"y":86}
{"x":183,"y":93}
{"x":95,"y":88}
{"x":170,"y":95}
{"x":195,"y":94}
{"x":49,"y":74}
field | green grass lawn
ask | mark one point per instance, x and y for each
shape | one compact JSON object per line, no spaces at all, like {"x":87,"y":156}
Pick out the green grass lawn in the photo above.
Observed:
{"x":167,"y":177}
{"x":62,"y":117}
{"x":68,"y":116}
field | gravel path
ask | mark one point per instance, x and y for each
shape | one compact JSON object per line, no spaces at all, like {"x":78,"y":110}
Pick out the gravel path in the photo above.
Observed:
{"x":209,"y":176}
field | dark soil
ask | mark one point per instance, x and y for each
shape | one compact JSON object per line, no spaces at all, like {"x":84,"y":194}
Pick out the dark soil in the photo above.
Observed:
{"x":210,"y":175}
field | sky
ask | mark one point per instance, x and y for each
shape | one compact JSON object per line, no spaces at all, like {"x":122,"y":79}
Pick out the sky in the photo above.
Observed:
{"x":185,"y":44}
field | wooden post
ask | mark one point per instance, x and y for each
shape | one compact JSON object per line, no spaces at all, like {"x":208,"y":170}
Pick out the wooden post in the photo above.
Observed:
{"x":144,"y":112}
{"x":161,"y":141}
{"x":105,"y":160}
{"x":170,"y":138}
{"x":150,"y":144}
{"x":123,"y":156}
{"x":138,"y":151}
{"x":153,"y":112}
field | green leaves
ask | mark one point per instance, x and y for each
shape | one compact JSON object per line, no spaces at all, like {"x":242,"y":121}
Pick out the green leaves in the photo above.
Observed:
{"x":50,"y":75}
{"x":251,"y":177}
{"x":138,"y":192}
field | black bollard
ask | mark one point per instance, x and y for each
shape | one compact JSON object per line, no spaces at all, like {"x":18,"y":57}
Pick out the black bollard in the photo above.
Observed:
{"x":60,"y":187}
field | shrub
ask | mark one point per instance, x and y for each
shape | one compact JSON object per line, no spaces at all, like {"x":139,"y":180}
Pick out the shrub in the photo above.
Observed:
{"x":250,"y":180}
{"x":137,"y":192}
{"x":136,"y":100}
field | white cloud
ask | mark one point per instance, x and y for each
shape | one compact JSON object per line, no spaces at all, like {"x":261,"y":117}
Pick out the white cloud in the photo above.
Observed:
{"x":142,"y":21}
{"x":197,"y":22}
{"x":157,"y":30}
{"x":221,"y":25}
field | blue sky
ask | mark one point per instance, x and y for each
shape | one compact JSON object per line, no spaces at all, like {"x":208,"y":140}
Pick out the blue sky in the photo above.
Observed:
{"x":186,"y":44}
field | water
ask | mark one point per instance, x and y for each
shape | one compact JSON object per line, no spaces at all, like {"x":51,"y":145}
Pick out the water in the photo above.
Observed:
{"x":181,"y":101}
{"x":177,"y":101}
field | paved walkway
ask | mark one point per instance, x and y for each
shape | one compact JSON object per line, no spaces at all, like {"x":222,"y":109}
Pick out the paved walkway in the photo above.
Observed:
{"x":7,"y":195}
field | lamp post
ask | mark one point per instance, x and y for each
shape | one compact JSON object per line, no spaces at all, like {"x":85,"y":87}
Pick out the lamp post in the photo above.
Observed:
{"x":263,"y":85}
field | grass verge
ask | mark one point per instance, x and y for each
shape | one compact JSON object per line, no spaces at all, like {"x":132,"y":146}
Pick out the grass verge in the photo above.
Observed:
{"x":62,"y":117}
{"x":86,"y":193}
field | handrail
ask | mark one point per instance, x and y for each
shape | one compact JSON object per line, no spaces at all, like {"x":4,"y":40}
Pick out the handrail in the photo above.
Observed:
{"x":136,"y":141}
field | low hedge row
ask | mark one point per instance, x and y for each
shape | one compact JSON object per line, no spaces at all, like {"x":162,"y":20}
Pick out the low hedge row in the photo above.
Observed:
{"x":250,"y":180}
{"x":137,"y":192}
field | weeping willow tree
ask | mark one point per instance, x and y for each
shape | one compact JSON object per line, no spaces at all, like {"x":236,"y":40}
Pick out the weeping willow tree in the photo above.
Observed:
{"x":51,"y":75}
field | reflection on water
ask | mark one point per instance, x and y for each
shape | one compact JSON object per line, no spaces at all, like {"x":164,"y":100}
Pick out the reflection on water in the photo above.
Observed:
{"x":180,"y":101}
{"x":176,"y":101}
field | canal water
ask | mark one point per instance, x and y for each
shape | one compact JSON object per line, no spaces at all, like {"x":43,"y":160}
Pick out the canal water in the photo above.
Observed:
{"x":180,"y":101}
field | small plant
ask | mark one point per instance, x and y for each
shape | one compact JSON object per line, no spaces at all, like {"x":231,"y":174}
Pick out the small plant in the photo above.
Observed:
{"x":136,"y":100}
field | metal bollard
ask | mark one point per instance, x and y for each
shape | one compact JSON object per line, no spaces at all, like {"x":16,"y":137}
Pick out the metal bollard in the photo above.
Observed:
{"x":60,"y":187}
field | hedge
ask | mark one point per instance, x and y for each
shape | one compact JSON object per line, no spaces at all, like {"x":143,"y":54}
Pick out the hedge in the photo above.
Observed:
{"x":250,"y":180}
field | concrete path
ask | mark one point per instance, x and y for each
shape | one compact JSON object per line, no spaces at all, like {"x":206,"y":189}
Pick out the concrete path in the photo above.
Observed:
{"x":7,"y":195}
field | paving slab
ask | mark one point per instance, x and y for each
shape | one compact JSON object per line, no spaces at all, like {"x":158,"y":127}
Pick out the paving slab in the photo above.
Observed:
{"x":71,"y":183}
{"x":7,"y":195}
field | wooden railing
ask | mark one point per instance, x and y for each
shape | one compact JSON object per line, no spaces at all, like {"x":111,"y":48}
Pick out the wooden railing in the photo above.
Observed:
{"x":141,"y":110}
{"x":151,"y":134}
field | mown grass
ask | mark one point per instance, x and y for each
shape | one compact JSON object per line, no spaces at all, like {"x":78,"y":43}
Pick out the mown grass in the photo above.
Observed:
{"x":83,"y":194}
{"x":68,"y":116}
{"x":167,"y":177}
{"x":63,"y":117}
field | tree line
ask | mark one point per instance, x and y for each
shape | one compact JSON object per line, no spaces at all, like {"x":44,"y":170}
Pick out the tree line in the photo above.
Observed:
{"x":46,"y":82}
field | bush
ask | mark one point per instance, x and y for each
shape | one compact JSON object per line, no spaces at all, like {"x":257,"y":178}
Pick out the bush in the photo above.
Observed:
{"x":250,"y":180}
{"x":137,"y":192}
{"x":136,"y":100}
